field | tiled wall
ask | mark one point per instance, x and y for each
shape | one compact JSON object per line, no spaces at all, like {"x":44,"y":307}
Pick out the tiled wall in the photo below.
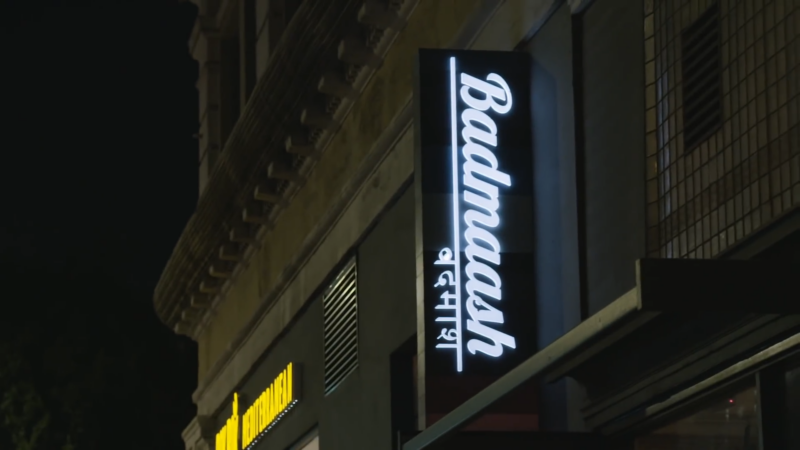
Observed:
{"x":748,"y":173}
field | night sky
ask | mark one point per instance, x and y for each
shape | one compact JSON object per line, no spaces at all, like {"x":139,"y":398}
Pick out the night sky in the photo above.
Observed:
{"x":99,"y":176}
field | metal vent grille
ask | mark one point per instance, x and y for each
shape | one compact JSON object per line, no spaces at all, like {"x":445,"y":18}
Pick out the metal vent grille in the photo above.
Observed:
{"x":340,"y":341}
{"x":702,"y":97}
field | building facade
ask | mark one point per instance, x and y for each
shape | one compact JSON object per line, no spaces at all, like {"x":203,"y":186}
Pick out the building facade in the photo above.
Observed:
{"x":650,"y":261}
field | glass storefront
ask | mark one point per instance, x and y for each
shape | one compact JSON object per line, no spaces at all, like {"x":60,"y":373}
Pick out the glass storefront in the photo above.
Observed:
{"x":761,"y":411}
{"x":728,"y":422}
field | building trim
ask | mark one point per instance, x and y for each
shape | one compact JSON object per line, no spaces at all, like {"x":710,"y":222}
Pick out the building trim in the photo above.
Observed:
{"x":254,"y":144}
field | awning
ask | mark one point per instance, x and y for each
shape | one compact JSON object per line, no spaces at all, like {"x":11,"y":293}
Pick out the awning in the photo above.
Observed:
{"x":664,"y":288}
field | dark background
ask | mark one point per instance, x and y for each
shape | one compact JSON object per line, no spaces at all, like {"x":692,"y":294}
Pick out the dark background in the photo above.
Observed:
{"x":98,"y":176}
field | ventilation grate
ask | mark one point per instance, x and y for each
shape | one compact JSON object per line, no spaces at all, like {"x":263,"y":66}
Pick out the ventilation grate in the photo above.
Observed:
{"x":340,"y":341}
{"x":702,"y":96}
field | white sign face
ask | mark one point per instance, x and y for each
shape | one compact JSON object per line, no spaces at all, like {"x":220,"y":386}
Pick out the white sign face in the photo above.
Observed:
{"x":477,"y":180}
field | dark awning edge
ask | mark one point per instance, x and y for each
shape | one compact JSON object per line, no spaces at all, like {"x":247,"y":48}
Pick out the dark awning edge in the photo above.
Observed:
{"x":615,"y":313}
{"x":778,"y":350}
{"x":662,"y":286}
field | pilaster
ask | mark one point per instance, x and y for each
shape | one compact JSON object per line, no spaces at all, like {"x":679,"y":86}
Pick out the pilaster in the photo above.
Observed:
{"x":199,"y":434}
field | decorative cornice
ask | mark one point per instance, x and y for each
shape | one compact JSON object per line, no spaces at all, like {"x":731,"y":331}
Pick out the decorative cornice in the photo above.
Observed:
{"x":261,"y":167}
{"x":380,"y":149}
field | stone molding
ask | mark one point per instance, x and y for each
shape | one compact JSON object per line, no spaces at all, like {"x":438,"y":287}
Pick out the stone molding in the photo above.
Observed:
{"x":258,"y":140}
{"x":199,"y":434}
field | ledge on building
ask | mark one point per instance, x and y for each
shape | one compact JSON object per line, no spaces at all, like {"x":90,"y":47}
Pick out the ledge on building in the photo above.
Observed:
{"x":694,"y":316}
{"x":682,"y":319}
{"x":482,"y":440}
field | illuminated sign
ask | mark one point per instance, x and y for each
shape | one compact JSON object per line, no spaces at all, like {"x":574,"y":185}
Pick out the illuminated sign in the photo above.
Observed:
{"x":473,"y":186}
{"x":275,"y":401}
{"x":228,"y":436}
{"x":263,"y":414}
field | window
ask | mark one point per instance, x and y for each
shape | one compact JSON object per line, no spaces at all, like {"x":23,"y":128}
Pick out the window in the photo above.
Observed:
{"x":728,"y":422}
{"x":702,"y":95}
{"x":340,"y":321}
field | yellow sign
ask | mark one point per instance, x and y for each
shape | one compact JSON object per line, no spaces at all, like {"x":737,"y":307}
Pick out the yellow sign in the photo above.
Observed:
{"x":269,"y":407}
{"x":262,"y":415}
{"x":228,"y":436}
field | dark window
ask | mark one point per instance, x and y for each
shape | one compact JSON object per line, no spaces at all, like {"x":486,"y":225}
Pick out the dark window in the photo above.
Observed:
{"x":729,"y":421}
{"x":340,"y":312}
{"x":702,"y":103}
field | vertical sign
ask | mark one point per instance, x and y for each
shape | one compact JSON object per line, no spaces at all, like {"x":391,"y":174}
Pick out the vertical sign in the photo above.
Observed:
{"x":473,"y":190}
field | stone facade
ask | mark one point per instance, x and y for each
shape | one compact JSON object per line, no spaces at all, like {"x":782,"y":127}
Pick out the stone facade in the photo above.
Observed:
{"x":307,"y":147}
{"x":358,"y":169}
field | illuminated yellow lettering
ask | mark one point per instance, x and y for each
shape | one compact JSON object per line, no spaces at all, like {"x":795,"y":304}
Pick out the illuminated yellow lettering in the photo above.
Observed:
{"x":284,"y":392}
{"x":247,"y":431}
{"x":279,"y":382}
{"x":253,"y":424}
{"x":270,"y":410}
{"x":251,"y":427}
{"x":263,"y":402}
{"x":289,"y":378}
{"x":233,"y":443}
{"x":262,"y":413}
{"x":232,"y":435}
{"x":255,"y":420}
{"x":257,"y":414}
{"x":279,"y":393}
{"x":257,"y":417}
{"x":276,"y":408}
{"x":221,"y":439}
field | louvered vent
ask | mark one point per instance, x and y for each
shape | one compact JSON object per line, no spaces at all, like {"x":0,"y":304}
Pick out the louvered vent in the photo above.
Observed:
{"x":340,"y":310}
{"x":702,"y":96}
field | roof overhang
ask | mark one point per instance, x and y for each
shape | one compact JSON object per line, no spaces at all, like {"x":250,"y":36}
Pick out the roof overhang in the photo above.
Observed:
{"x":678,"y":288}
